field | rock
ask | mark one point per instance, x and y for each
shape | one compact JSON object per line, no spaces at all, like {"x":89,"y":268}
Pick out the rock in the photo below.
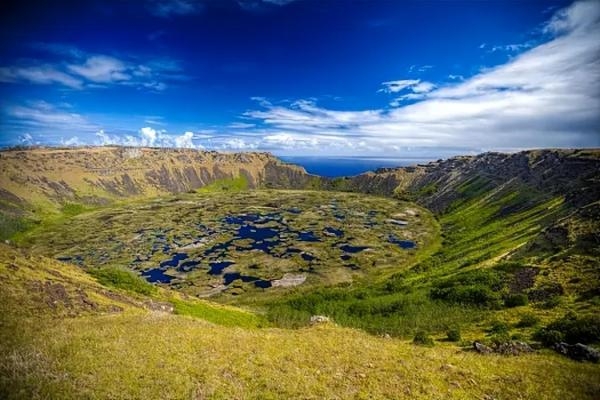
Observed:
{"x":289,"y":280}
{"x":579,"y":352}
{"x":318,"y":319}
{"x":482,"y":348}
{"x":159,"y":306}
{"x":513,"y":348}
{"x":396,"y":222}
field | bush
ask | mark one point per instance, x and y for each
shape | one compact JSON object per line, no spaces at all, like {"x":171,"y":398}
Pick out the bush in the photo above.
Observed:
{"x":478,"y":287}
{"x":454,"y":335}
{"x":578,"y":329}
{"x":498,"y":327}
{"x":528,"y":320}
{"x":551,"y":303}
{"x":472,"y":295}
{"x":423,"y":339}
{"x":122,"y":279}
{"x":548,"y":337}
{"x":516,"y":300}
{"x":500,"y":338}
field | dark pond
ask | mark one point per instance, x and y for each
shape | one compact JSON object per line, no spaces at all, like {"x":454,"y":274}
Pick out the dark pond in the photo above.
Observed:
{"x":307,"y":256}
{"x":157,"y":275}
{"x":345,"y":257}
{"x":262,"y":284}
{"x":173,"y":262}
{"x":256,"y":233}
{"x":308,"y":237}
{"x":405,"y":244}
{"x":187,"y":266}
{"x":352,"y":249}
{"x":333,"y":231}
{"x":228,"y":278}
{"x":216,"y":268}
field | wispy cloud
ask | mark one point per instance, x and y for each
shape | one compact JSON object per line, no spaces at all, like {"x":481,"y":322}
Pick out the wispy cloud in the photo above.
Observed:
{"x":41,"y":75}
{"x":76,"y":69}
{"x":414,"y":89}
{"x":170,"y":8}
{"x":261,"y":5}
{"x":419,"y":68}
{"x":42,"y":116}
{"x":546,"y":96}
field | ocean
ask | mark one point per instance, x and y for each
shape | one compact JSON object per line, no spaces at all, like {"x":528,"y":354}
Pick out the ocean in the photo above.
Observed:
{"x":333,"y":167}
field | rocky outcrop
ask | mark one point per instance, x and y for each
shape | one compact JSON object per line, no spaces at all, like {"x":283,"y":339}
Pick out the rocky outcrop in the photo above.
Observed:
{"x":579,"y":352}
{"x":510,"y":348}
{"x":440,"y":184}
{"x":98,"y":175}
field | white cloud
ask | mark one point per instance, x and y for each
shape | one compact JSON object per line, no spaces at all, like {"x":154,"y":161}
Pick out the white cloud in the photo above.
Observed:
{"x":41,"y":116}
{"x":26,"y":139}
{"x":185,"y":140}
{"x":44,"y":75}
{"x":72,"y":142}
{"x":148,"y":137}
{"x":423,"y":87}
{"x":398,"y":86}
{"x":101,"y":69}
{"x":419,"y":68}
{"x":237,"y":144}
{"x":77,"y":70}
{"x":416,"y":88}
{"x":548,"y":96}
{"x":579,"y":17}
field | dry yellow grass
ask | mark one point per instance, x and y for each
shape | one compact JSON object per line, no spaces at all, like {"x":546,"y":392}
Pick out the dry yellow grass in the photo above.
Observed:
{"x":71,"y":352}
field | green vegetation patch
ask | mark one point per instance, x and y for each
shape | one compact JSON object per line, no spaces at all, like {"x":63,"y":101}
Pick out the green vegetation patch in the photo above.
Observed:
{"x":12,"y":225}
{"x":219,"y":315}
{"x":572,"y":329}
{"x":122,"y":278}
{"x":236,"y":184}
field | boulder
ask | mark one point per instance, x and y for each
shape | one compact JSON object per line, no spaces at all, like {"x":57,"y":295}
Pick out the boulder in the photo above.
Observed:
{"x":159,"y":306}
{"x":482,"y":348}
{"x":318,"y":319}
{"x":513,"y":348}
{"x":579,"y":352}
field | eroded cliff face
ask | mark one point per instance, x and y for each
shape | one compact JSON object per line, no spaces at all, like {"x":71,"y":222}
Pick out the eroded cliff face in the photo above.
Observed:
{"x":574,"y":174}
{"x":97,"y":175}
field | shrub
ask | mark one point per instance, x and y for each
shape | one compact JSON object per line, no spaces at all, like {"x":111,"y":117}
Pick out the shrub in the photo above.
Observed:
{"x":528,"y":320}
{"x":122,"y":279}
{"x":500,"y":338}
{"x":478,"y":287}
{"x":578,"y":329}
{"x":548,"y":337}
{"x":423,"y":339}
{"x":551,"y":303}
{"x":454,"y":335}
{"x":516,"y":300}
{"x":498,"y":327}
{"x":472,"y":295}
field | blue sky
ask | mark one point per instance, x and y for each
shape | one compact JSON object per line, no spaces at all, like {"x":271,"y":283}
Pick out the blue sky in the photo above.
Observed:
{"x":303,"y":77}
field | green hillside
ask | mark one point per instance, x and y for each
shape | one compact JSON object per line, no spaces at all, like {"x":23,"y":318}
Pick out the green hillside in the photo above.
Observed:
{"x":238,"y":273}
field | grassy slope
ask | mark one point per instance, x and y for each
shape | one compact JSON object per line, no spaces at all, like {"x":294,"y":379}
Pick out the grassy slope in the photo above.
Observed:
{"x":484,"y":227}
{"x":65,"y":350}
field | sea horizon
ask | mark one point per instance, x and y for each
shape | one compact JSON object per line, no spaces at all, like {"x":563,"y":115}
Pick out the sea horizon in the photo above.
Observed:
{"x":339,"y":166}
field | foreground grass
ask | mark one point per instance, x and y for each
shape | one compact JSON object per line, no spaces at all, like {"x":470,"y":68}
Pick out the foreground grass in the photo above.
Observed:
{"x":160,"y":356}
{"x":54,"y":344}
